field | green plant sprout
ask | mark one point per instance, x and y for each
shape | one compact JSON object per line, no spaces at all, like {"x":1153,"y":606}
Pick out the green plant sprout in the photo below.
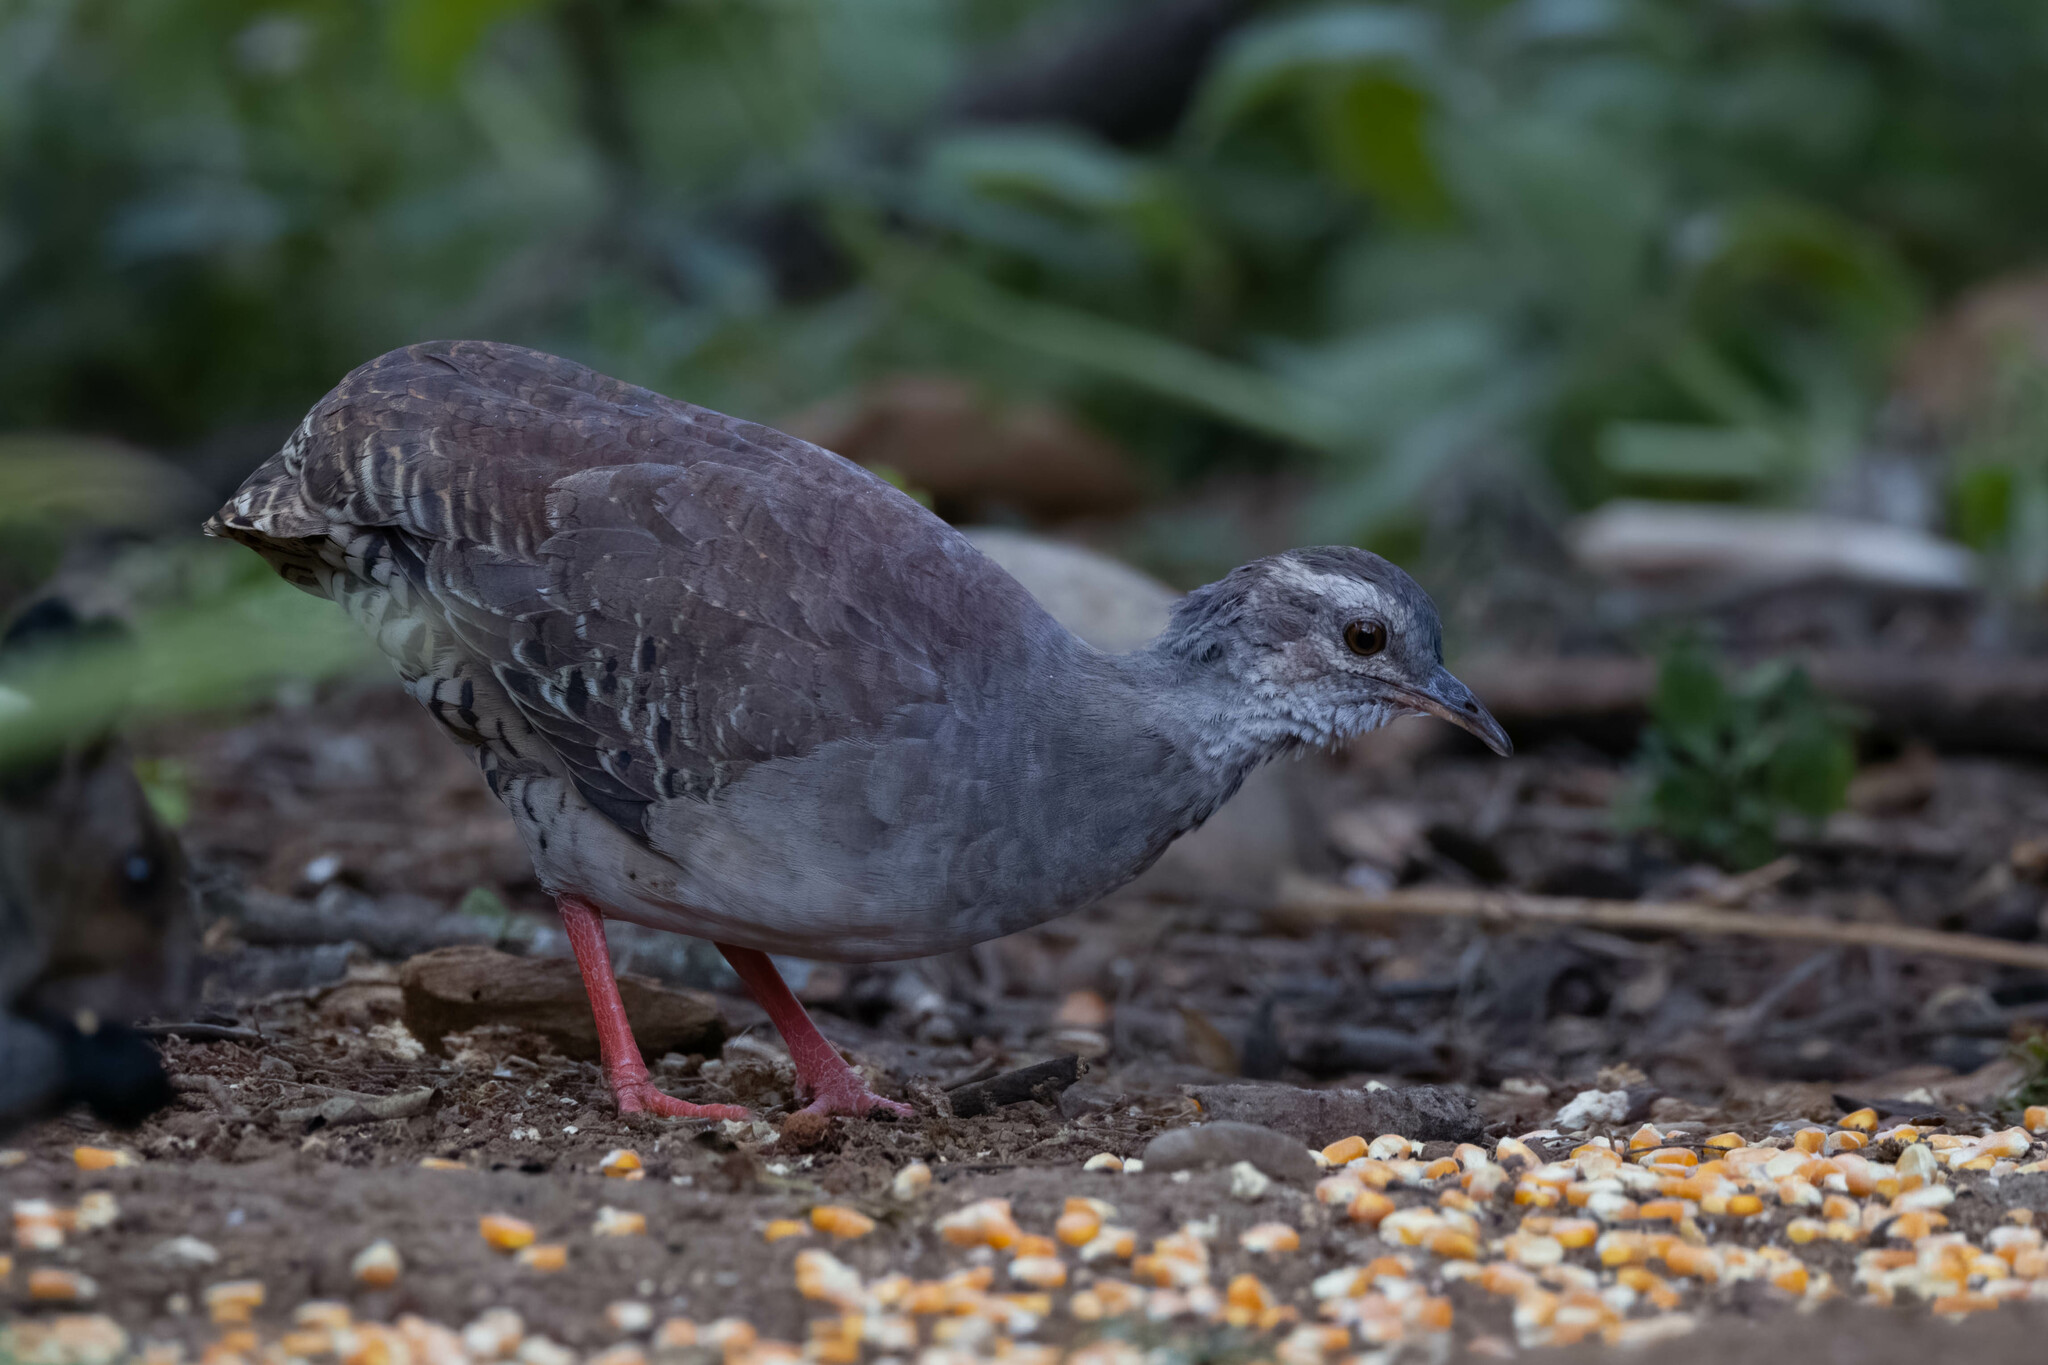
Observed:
{"x":1723,"y":762}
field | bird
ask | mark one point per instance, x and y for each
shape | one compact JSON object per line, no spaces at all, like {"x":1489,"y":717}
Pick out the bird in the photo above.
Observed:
{"x":733,"y":685}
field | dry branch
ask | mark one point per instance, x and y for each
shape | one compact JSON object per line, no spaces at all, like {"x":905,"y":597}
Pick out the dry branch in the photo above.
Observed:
{"x":1984,"y":703}
{"x":1303,"y":901}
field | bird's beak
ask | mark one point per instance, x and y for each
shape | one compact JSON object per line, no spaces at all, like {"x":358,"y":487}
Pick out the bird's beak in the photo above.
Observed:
{"x":1443,"y":695}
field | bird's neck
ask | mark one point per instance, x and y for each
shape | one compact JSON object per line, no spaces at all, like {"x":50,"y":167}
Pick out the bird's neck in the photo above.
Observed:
{"x":1201,"y":714}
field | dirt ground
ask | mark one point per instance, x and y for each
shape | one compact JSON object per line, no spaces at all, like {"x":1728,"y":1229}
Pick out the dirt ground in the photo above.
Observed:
{"x":349,"y":808}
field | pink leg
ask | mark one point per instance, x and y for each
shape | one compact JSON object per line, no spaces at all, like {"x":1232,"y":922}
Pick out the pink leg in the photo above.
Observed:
{"x":822,"y":1074}
{"x":624,"y":1071}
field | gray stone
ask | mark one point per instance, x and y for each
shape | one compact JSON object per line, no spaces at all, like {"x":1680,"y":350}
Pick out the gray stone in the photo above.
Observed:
{"x":1225,"y":1143}
{"x":1427,"y":1113}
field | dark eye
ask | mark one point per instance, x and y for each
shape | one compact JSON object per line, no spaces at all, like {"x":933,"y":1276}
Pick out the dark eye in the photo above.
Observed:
{"x":1366,"y":638}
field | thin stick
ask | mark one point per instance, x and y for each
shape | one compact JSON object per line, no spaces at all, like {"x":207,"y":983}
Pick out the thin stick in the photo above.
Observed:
{"x":1305,"y":901}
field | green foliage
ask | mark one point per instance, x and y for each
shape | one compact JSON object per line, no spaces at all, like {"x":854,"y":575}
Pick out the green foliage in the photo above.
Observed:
{"x":1625,"y":245}
{"x":1722,"y":763}
{"x":2032,"y":1054}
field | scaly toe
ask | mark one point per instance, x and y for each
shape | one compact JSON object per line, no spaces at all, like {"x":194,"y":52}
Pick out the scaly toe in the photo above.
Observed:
{"x":643,"y":1098}
{"x":857,"y":1101}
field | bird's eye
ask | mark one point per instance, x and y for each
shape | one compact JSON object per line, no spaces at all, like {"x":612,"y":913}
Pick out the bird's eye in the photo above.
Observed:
{"x":1366,"y":638}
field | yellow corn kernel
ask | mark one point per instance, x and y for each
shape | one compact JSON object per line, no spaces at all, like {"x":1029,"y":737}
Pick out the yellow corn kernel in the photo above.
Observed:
{"x":675,"y":1334}
{"x":1575,"y":1232}
{"x":545,"y":1257}
{"x":47,"y":1284}
{"x":1726,"y":1142}
{"x":1103,"y":1161}
{"x":1792,"y":1277}
{"x":986,"y":1222}
{"x":836,"y":1220}
{"x":1810,"y":1140}
{"x":622,"y":1163}
{"x":1744,"y":1206}
{"x":611,"y":1222}
{"x":1862,"y":1120}
{"x":1693,"y":1262}
{"x":1077,"y":1227}
{"x":100,"y":1158}
{"x":1645,"y":1138}
{"x":322,"y":1315}
{"x":1344,"y":1150}
{"x":377,"y":1265}
{"x":1370,"y":1207}
{"x":233,"y":1302}
{"x":440,"y":1163}
{"x":505,"y":1233}
{"x":1443,"y":1168}
{"x":779,"y":1228}
{"x":1040,"y":1272}
{"x":1267,"y":1239}
{"x":306,"y":1344}
{"x":2035,"y":1120}
{"x":1452,"y":1245}
{"x":1035,"y":1244}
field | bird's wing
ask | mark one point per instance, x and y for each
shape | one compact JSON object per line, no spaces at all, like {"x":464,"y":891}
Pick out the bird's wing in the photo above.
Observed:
{"x":669,"y":596}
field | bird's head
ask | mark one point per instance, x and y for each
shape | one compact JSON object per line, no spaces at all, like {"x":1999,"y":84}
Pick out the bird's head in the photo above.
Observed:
{"x":1313,"y":647}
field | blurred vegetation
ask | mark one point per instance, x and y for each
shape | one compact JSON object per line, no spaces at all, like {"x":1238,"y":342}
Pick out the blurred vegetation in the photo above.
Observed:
{"x":1613,"y":244}
{"x":1722,"y":763}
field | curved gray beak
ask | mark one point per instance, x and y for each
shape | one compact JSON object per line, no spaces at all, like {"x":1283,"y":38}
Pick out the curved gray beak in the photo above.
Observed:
{"x":1443,"y":695}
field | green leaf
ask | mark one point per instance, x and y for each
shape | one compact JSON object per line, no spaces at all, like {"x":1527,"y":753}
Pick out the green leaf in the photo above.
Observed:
{"x":433,"y":38}
{"x":1274,"y":59}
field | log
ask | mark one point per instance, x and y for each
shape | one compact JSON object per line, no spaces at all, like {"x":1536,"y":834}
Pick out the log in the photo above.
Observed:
{"x":1306,"y":902}
{"x":1979,"y":703}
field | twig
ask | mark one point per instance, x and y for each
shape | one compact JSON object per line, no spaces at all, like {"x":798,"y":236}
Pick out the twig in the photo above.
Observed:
{"x":200,"y":1033}
{"x":1308,"y":902}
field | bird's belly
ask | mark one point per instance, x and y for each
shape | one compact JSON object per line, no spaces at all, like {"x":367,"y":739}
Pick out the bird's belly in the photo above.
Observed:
{"x":753,"y":887}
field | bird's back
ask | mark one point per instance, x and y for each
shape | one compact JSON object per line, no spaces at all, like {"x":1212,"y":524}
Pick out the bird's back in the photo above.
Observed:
{"x":653,"y":613}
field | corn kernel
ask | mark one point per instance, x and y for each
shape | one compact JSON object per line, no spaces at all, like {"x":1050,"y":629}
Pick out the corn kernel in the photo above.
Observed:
{"x":101,"y":1158}
{"x":622,"y":1163}
{"x":986,"y":1222}
{"x":2035,"y":1120}
{"x":233,"y":1302}
{"x":1452,"y":1245}
{"x":545,"y":1257}
{"x":1645,"y":1138}
{"x":1389,"y":1147}
{"x":1744,"y":1206}
{"x":611,"y":1222}
{"x":46,"y":1284}
{"x":1862,"y":1120}
{"x":1443,"y":1168}
{"x":1726,"y":1142}
{"x":675,"y":1334}
{"x":1077,"y":1227}
{"x":1693,"y":1262}
{"x":1267,"y":1239}
{"x":1040,"y":1272}
{"x":1791,"y":1278}
{"x":913,"y":1180}
{"x":1113,"y":1242}
{"x":1035,"y":1244}
{"x":779,"y":1228}
{"x":322,"y":1315}
{"x":836,"y":1220}
{"x":1344,"y":1150}
{"x":1370,"y":1207}
{"x":505,"y":1233}
{"x":1103,"y":1161}
{"x":377,"y":1265}
{"x":440,"y":1163}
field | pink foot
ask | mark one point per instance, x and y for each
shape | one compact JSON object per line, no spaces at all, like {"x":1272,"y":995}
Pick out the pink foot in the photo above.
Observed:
{"x":822,"y":1075}
{"x":842,"y":1091}
{"x":640,"y":1097}
{"x":625,"y":1071}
